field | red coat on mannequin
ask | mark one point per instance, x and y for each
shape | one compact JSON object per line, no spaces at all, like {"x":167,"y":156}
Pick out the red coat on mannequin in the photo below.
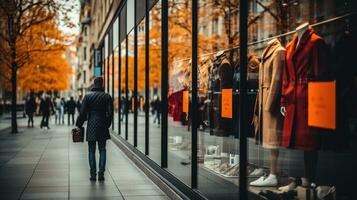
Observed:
{"x":304,"y":63}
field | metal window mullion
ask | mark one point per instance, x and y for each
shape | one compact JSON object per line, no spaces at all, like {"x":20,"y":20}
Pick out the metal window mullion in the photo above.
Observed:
{"x":119,"y":83}
{"x":126,"y":88}
{"x":194,"y":105}
{"x":147,"y":67}
{"x":243,"y":99}
{"x":135,"y":80}
{"x":164,"y":81}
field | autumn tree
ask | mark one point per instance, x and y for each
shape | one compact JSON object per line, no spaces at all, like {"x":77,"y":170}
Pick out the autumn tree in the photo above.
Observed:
{"x":16,"y":51}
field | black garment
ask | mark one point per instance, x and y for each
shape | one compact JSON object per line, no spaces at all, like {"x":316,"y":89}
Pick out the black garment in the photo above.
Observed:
{"x":71,"y":106}
{"x":97,"y":108}
{"x":252,"y":88}
{"x":30,"y":109}
{"x":30,"y":106}
{"x":79,"y":105}
{"x":225,"y":72}
{"x":46,"y":107}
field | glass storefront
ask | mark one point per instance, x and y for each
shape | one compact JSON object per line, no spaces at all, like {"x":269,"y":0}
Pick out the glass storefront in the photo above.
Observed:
{"x":291,"y":100}
{"x":141,"y":85}
{"x":154,"y":70}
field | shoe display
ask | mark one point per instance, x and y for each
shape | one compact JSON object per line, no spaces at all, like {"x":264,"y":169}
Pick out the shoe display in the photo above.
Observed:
{"x":269,"y":181}
{"x":292,"y":185}
{"x":233,"y":171}
{"x":326,"y":192}
{"x":258,"y":172}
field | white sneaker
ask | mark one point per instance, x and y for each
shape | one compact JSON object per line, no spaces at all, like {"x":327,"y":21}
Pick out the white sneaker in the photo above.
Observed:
{"x":257,"y":172}
{"x":270,"y":181}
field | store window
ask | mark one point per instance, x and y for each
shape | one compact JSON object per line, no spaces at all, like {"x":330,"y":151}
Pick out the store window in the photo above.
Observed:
{"x":123,"y":89}
{"x":304,"y":116}
{"x":106,"y":54}
{"x":155,"y":83}
{"x":141,"y":85}
{"x":116,"y":96}
{"x":218,"y":96}
{"x":130,"y":15}
{"x":131,"y":79}
{"x":179,"y":70}
{"x":110,"y":65}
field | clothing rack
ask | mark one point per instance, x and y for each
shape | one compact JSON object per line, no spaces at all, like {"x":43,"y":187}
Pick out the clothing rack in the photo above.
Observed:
{"x":277,"y":36}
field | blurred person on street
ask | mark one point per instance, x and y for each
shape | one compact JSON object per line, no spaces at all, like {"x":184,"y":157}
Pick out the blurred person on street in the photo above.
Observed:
{"x":62,"y":107}
{"x":122,"y":108}
{"x":57,"y":105}
{"x":79,"y":104}
{"x":97,"y":108}
{"x":71,"y":109}
{"x":46,"y":108}
{"x":157,"y":110}
{"x":30,"y":109}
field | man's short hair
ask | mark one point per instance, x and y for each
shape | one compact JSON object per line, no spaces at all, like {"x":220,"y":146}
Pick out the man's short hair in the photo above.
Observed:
{"x":98,"y":81}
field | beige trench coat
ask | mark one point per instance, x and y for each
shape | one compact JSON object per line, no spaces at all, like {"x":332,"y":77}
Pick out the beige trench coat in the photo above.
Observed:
{"x":267,"y":119}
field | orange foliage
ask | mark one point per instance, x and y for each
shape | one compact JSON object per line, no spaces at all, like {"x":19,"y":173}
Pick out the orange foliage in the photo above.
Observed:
{"x":46,"y":69}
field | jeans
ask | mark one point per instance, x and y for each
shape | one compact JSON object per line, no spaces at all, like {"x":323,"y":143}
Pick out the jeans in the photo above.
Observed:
{"x":157,"y":117}
{"x":102,"y":157}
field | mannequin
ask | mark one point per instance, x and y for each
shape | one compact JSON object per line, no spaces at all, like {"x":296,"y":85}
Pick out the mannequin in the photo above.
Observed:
{"x":300,"y":30}
{"x":310,"y":155}
{"x":267,"y":120}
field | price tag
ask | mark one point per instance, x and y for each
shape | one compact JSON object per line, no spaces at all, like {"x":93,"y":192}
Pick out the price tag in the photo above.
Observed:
{"x":227,"y":108}
{"x":185,"y":101}
{"x":322,"y":105}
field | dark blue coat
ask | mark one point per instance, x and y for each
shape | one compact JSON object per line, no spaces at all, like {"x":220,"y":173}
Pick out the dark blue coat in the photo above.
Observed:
{"x":97,"y":108}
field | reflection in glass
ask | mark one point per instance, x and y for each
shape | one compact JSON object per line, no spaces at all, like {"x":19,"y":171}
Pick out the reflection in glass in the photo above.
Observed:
{"x":316,"y":52}
{"x":141,"y":85}
{"x":131,"y":77}
{"x":155,"y":83}
{"x":218,"y":72}
{"x":124,"y":104}
{"x":179,"y":122}
{"x":116,"y":89}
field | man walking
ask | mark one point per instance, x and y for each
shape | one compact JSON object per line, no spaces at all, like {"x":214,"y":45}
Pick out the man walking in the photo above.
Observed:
{"x":97,"y":108}
{"x":71,"y":108}
{"x":46,"y":107}
{"x":30,"y":108}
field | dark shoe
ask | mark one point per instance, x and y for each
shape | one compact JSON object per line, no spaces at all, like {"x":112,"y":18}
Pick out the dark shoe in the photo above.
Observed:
{"x":92,"y":178}
{"x":100,"y":178}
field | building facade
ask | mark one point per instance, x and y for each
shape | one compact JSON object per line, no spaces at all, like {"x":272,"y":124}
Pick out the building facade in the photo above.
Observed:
{"x":220,"y":114}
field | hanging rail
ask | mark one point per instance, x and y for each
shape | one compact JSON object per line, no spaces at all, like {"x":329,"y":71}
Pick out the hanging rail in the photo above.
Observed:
{"x":276,"y":36}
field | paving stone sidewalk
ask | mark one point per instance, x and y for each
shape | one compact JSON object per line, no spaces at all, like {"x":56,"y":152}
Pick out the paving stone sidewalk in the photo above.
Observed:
{"x":45,"y":164}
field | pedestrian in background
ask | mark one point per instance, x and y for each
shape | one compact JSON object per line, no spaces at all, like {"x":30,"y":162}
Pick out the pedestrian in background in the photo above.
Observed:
{"x":122,"y":108}
{"x":71,"y":109}
{"x":30,"y":109}
{"x":97,"y":108}
{"x":57,"y":104}
{"x":62,"y":107}
{"x":79,"y":104}
{"x":157,"y":109}
{"x":46,"y":108}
